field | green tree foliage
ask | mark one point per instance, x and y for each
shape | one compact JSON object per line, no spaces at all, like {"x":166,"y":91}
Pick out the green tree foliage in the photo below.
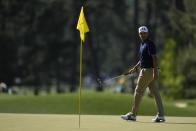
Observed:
{"x":187,"y":66}
{"x":116,"y":22}
{"x":182,"y":24}
{"x":37,"y":34}
{"x":39,"y":41}
{"x":180,"y":28}
{"x":171,"y":81}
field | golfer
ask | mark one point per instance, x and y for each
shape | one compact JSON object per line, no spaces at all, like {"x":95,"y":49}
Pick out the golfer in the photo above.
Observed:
{"x":147,"y":76}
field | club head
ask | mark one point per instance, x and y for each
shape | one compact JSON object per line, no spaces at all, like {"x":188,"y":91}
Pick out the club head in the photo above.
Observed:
{"x":99,"y":81}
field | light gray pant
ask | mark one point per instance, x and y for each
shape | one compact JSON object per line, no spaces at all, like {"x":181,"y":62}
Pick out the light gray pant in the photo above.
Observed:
{"x":145,"y":80}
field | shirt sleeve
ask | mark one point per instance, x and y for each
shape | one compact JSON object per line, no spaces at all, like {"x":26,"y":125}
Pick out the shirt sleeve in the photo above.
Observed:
{"x":152,"y":48}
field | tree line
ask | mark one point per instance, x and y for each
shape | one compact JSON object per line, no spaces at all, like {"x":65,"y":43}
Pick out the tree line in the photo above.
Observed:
{"x":39,"y":42}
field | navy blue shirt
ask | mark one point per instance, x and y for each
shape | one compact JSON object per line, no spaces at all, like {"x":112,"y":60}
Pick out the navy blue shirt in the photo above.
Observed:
{"x":147,"y":49}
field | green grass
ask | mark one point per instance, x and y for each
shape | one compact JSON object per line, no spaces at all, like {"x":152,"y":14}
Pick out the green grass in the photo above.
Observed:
{"x":48,"y":122}
{"x":106,"y":103}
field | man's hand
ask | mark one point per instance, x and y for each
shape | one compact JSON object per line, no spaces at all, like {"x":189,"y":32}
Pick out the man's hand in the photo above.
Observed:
{"x":155,"y":74}
{"x":132,"y":70}
{"x":155,"y":71}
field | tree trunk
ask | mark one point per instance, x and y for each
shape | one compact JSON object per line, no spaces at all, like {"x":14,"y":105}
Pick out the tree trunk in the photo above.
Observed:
{"x":95,"y":62}
{"x":75,"y":44}
{"x":136,"y":23}
{"x":180,"y":5}
{"x":74,"y":67}
{"x":148,"y":13}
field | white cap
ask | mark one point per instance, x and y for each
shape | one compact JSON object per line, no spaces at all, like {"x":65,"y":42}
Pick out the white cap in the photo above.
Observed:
{"x":143,"y":29}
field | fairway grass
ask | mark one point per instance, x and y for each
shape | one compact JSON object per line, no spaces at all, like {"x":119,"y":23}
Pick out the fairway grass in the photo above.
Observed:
{"x":92,"y":103}
{"x":40,"y":122}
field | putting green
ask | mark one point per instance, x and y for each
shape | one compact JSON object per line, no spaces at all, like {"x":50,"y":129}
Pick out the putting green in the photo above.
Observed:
{"x":40,"y":122}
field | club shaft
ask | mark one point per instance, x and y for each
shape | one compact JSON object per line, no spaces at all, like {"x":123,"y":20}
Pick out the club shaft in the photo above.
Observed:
{"x":113,"y":78}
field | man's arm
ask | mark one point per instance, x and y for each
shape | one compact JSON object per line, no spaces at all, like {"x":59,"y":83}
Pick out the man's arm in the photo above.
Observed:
{"x":155,"y":67}
{"x":137,"y":65}
{"x":134,"y":67}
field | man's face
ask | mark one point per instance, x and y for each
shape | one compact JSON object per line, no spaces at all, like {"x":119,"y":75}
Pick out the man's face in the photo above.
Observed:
{"x":143,"y":35}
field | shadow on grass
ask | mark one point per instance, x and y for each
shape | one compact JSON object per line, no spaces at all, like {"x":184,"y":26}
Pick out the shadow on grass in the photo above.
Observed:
{"x":185,"y":123}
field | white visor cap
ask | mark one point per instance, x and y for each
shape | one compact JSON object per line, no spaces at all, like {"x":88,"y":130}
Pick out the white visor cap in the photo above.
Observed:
{"x":143,"y":29}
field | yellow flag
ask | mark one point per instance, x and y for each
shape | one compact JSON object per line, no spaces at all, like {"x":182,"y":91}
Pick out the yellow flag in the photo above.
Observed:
{"x":82,"y":25}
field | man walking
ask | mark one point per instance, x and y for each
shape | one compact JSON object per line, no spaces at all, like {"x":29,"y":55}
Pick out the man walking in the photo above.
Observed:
{"x":147,"y":76}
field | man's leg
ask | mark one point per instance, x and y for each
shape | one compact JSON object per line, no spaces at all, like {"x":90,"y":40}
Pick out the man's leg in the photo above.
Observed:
{"x":154,"y":90}
{"x":143,"y":80}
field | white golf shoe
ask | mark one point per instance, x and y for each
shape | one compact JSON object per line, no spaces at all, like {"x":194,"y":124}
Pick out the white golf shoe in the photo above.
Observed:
{"x":158,"y":119}
{"x":129,"y":116}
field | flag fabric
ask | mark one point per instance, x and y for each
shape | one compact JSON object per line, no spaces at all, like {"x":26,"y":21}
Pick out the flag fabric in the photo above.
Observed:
{"x":82,"y":25}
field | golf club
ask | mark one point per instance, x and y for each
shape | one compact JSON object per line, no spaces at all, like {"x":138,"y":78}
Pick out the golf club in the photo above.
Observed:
{"x":109,"y":79}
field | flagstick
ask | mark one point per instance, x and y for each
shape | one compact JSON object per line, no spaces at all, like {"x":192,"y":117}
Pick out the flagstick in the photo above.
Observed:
{"x":80,"y":87}
{"x":83,"y":28}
